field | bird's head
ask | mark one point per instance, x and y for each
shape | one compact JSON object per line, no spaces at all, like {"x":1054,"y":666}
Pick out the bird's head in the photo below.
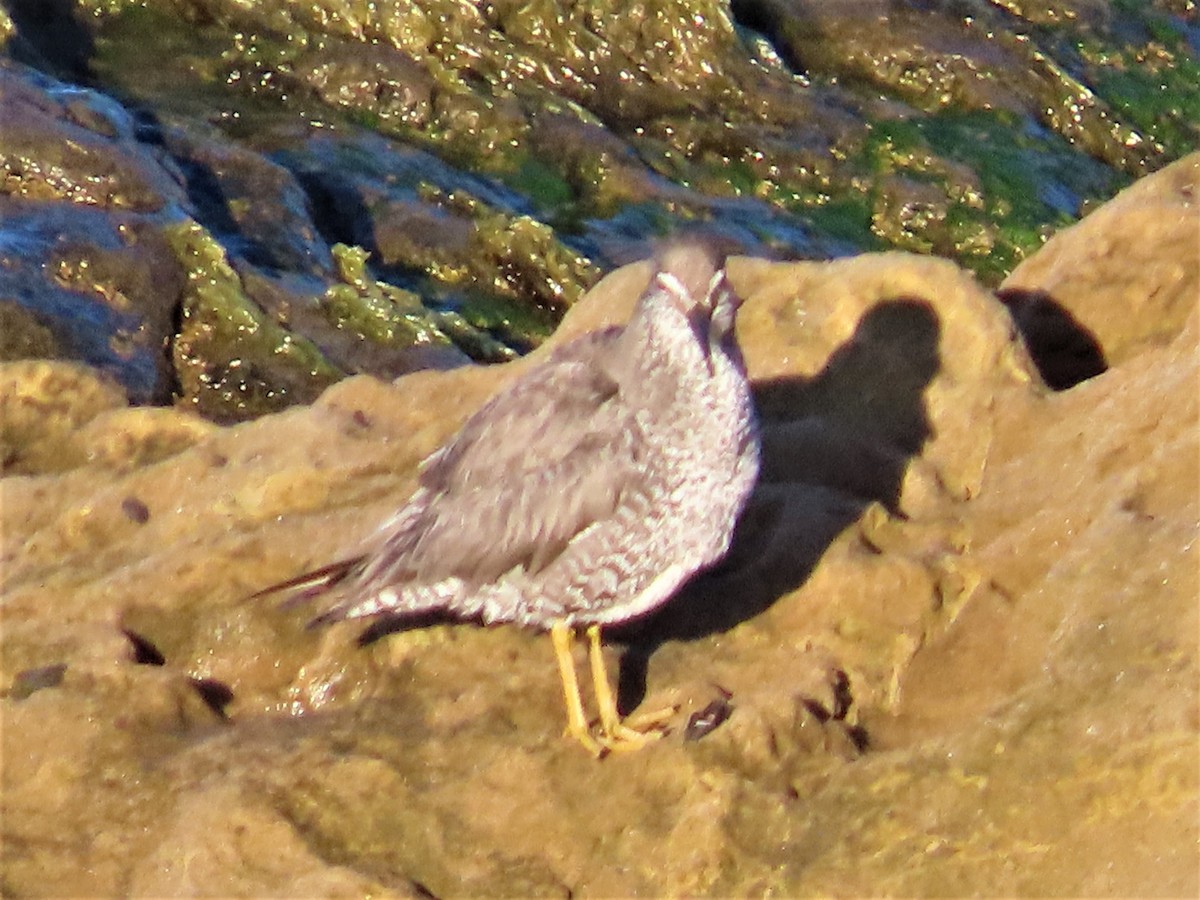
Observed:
{"x":691,"y":274}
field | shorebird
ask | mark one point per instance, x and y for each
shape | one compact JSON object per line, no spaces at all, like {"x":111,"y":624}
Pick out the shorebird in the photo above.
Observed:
{"x":582,"y":495}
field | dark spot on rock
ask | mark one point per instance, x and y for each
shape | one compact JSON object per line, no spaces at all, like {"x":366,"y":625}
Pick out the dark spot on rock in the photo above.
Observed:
{"x":859,"y":737}
{"x":839,"y":700}
{"x":708,"y":720}
{"x":1135,"y":505}
{"x":842,"y":698}
{"x":818,"y":711}
{"x":215,"y":693}
{"x":144,"y":652}
{"x":135,"y":510}
{"x":32,"y":680}
{"x":832,"y":714}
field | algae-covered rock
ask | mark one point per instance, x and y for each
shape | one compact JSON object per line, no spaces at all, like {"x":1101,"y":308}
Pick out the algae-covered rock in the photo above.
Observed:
{"x":232,"y":361}
{"x":97,"y":268}
{"x":22,"y":336}
{"x":494,"y":160}
{"x":80,"y":202}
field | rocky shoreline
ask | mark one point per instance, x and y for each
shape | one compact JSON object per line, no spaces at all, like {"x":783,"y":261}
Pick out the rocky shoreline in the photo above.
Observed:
{"x":957,"y":629}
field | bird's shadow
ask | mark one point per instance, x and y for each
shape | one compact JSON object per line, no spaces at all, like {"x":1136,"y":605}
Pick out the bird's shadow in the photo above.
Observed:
{"x":832,"y":444}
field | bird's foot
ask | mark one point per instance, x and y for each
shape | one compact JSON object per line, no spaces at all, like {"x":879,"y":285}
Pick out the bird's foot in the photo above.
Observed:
{"x":615,"y":733}
{"x":611,"y":733}
{"x":635,"y":732}
{"x":621,"y":736}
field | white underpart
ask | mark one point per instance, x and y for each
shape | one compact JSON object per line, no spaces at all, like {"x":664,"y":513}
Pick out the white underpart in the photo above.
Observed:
{"x":663,"y":586}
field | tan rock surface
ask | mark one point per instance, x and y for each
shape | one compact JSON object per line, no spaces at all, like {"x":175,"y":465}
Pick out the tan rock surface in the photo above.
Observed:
{"x":958,"y":628}
{"x":1129,"y":273}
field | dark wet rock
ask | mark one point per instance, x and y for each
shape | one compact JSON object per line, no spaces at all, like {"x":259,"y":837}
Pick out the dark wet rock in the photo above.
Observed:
{"x":388,"y":333}
{"x":581,"y":109}
{"x":105,"y":287}
{"x":416,"y":214}
{"x":255,"y":206}
{"x":81,"y":203}
{"x":104,"y":261}
{"x":22,"y":336}
{"x":63,"y":142}
{"x":225,"y":354}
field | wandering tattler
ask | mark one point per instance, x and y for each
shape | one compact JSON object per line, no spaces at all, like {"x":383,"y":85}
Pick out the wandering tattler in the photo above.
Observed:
{"x":582,"y":495}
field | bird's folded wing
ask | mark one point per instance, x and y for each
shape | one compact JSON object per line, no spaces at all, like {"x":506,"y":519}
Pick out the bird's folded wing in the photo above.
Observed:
{"x":544,"y":460}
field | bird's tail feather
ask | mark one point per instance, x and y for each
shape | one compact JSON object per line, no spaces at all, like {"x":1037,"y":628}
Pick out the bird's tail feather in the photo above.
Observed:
{"x":308,"y":585}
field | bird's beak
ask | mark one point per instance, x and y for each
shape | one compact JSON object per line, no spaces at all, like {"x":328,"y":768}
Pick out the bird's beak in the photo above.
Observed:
{"x":681,"y":298}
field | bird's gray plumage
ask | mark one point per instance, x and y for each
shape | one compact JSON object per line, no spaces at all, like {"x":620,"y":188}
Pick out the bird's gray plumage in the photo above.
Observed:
{"x":589,"y":489}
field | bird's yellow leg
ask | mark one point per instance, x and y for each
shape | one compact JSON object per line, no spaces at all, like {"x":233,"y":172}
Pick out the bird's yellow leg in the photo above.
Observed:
{"x":615,"y":734}
{"x":577,"y":726}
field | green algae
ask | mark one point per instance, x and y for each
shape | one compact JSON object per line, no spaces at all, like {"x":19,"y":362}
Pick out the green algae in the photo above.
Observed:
{"x":1155,"y":86}
{"x":525,"y":259}
{"x":232,"y":361}
{"x":542,"y":183}
{"x":1004,"y":188}
{"x":377,"y":311}
{"x":391,"y":316}
{"x":847,"y":219}
{"x":235,"y":362}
